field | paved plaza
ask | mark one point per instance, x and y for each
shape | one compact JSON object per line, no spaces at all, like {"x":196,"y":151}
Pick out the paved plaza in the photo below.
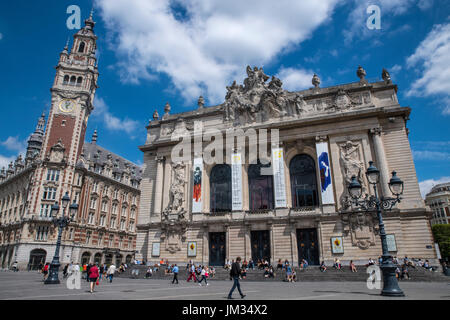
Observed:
{"x":29,"y":286}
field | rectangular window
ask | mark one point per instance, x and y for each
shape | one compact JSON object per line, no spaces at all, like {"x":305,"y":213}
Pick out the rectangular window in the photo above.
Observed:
{"x":52,"y":175}
{"x":88,"y":237}
{"x":104,"y":206}
{"x":93,"y":203}
{"x":100,"y":239}
{"x":113,"y":223}
{"x":131,"y":226}
{"x":49,"y":194}
{"x":45,"y":210}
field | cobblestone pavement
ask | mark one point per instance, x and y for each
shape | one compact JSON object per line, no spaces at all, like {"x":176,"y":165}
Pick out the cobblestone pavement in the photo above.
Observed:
{"x":29,"y":286}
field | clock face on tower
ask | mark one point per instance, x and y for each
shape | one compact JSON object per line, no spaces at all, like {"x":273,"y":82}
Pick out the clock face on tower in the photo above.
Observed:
{"x":67,"y":105}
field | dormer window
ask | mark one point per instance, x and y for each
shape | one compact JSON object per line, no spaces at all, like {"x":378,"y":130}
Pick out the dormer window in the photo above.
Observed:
{"x":81,"y":47}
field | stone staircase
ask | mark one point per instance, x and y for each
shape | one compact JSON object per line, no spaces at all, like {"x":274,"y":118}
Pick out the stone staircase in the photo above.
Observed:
{"x":312,"y":273}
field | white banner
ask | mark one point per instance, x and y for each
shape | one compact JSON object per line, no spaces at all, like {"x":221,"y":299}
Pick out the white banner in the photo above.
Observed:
{"x":278,"y":178}
{"x":197,"y":193}
{"x":326,"y":185}
{"x":236,"y":181}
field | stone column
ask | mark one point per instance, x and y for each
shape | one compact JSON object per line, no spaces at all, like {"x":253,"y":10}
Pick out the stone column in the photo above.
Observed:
{"x":272,"y":243}
{"x":294,"y":245}
{"x":381,"y":162}
{"x":158,"y":185}
{"x":205,"y":251}
{"x":248,"y":245}
{"x":227,"y":241}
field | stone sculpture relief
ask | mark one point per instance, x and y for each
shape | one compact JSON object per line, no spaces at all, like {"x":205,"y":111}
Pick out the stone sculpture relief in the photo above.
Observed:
{"x":351,"y":165}
{"x":258,"y":101}
{"x":173,"y":221}
{"x":362,"y":226}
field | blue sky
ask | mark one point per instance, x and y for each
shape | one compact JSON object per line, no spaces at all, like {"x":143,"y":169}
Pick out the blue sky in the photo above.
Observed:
{"x":155,"y":51}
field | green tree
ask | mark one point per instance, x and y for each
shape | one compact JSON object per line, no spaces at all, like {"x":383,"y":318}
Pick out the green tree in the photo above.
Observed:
{"x":441,"y":233}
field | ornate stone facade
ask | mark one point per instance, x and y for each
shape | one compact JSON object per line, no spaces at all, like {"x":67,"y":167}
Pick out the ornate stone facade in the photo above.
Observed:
{"x":105,"y":186}
{"x":326,"y":135}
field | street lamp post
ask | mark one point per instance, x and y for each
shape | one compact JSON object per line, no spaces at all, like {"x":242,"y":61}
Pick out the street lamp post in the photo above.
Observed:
{"x":61,"y":223}
{"x":390,"y":283}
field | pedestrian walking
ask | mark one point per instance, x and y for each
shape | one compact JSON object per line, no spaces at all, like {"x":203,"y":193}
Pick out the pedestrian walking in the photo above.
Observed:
{"x":93,"y":276}
{"x":15,"y":266}
{"x":110,"y":272}
{"x":203,"y":275}
{"x":192,"y":274}
{"x":175,"y":273}
{"x":45,"y":270}
{"x":235,"y":273}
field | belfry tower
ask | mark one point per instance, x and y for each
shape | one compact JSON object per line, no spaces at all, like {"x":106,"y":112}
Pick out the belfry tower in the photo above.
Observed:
{"x":72,"y":93}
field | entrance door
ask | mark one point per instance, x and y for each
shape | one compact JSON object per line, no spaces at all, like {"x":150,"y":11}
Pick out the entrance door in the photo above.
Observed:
{"x":260,"y":245}
{"x":37,"y":256}
{"x":308,"y":247}
{"x":217,"y":248}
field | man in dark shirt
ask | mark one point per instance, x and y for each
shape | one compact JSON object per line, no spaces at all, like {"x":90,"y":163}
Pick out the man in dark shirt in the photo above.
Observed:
{"x":235,"y":273}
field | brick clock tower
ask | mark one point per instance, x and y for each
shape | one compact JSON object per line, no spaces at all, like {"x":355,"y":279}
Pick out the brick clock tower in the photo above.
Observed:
{"x":72,"y":93}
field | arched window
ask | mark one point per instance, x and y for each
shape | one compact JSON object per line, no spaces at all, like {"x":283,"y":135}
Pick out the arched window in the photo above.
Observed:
{"x":220,"y":188}
{"x":72,"y":80}
{"x":303,"y":181}
{"x":81,"y":47}
{"x":79,"y":81}
{"x":260,"y":187}
{"x":66,"y":79}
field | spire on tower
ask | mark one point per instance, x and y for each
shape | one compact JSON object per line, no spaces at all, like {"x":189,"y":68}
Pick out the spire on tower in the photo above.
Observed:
{"x":94,"y":137}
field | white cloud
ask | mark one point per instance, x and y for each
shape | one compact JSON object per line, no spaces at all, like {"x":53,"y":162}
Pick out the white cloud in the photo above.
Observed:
{"x":358,"y":16}
{"x":5,"y":161}
{"x":431,"y":155}
{"x":204,"y":45}
{"x":295,"y":79}
{"x":432,"y":60}
{"x":112,"y":122}
{"x":426,"y":185}
{"x":14,"y":144}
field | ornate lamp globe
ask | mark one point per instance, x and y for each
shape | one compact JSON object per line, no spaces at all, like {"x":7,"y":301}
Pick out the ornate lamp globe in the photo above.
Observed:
{"x":354,"y":188}
{"x":73,"y":208}
{"x":55,"y":209}
{"x":372,"y":173}
{"x":65,"y":200}
{"x":396,"y":184}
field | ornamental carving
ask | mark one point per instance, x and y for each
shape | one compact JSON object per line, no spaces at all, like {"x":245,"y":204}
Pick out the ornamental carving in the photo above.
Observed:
{"x":362,"y":227}
{"x":259,"y":101}
{"x":351,"y":165}
{"x":173,"y":221}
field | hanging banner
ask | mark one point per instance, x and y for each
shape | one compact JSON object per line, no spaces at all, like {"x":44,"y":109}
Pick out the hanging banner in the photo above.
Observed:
{"x":197,"y":194}
{"x":236,"y":181}
{"x":278,"y":178}
{"x":325,"y":173}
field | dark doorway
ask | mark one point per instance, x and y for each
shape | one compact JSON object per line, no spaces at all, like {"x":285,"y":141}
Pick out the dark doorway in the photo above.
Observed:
{"x":37,"y":256}
{"x":308,"y":246}
{"x":217,"y":248}
{"x":85,"y":258}
{"x":108,"y":259}
{"x":260,"y":245}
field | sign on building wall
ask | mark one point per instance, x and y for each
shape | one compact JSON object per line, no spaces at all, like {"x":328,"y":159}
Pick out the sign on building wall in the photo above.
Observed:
{"x":192,"y":249}
{"x":391,"y":244}
{"x":278,"y":178}
{"x":197,"y":194}
{"x":236,"y":181}
{"x":155,"y":249}
{"x":323,"y":160}
{"x":337,"y":246}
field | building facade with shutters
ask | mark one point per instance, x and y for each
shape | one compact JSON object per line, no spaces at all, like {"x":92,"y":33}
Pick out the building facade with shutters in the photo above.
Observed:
{"x":58,"y":160}
{"x":264,"y":175}
{"x":438,"y":199}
